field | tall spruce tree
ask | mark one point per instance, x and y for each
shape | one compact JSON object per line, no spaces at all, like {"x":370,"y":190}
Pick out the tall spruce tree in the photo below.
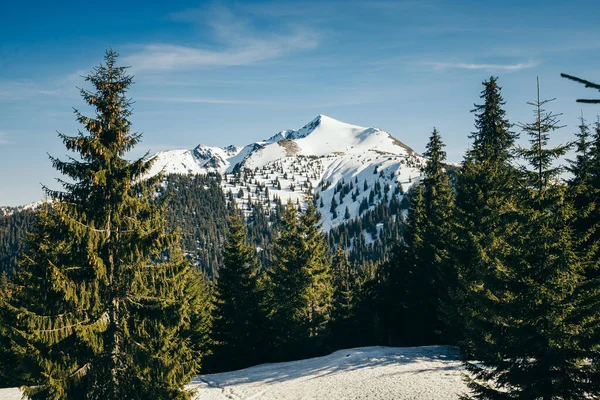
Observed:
{"x":344,"y":280}
{"x":485,"y":193}
{"x":402,"y":314}
{"x":533,"y":347}
{"x":239,"y":318}
{"x":102,"y":301}
{"x":299,"y":281}
{"x":419,"y":270}
{"x":581,"y":191}
{"x":437,"y":271}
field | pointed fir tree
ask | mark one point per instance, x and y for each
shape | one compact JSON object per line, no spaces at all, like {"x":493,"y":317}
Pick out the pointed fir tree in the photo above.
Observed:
{"x":343,"y":279}
{"x":534,"y":345}
{"x":485,"y":193}
{"x":102,"y":303}
{"x":585,"y":192}
{"x":16,"y":366}
{"x":422,"y":270}
{"x":299,"y":286}
{"x":402,"y":314}
{"x":581,"y":190}
{"x":437,"y":268}
{"x":239,"y":319}
{"x":318,"y":266}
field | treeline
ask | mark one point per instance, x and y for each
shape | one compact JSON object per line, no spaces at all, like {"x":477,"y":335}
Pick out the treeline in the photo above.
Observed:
{"x":12,"y":235}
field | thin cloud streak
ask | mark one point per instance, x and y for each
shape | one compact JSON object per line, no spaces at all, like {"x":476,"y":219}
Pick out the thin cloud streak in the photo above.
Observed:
{"x":501,"y":67}
{"x":192,"y":100}
{"x":240,"y":45}
{"x":3,"y":139}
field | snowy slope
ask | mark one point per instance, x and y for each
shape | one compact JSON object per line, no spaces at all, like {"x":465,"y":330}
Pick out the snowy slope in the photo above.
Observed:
{"x":383,"y":373}
{"x":6,"y":210}
{"x":316,"y":158}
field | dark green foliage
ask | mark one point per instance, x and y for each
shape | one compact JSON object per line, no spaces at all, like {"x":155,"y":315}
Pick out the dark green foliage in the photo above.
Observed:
{"x":239,"y":319}
{"x":401,"y":316}
{"x":351,"y":234}
{"x":299,"y":286}
{"x":587,"y":84}
{"x":104,"y":301}
{"x":16,"y":368}
{"x":12,"y":235}
{"x":485,"y":193}
{"x":344,"y":281}
{"x":581,"y":191}
{"x":196,"y":205}
{"x":532,"y":343}
{"x":420,"y":275}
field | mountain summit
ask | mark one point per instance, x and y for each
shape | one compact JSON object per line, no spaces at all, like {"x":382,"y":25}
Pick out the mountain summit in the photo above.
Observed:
{"x":319,"y":158}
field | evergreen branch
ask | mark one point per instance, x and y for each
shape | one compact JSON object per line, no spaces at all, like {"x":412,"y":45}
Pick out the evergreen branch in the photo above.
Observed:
{"x":107,"y":231}
{"x":587,"y":83}
{"x":81,"y":371}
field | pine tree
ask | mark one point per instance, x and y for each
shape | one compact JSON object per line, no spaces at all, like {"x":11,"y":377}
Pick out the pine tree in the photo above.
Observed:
{"x":16,"y":367}
{"x":532,"y":348}
{"x":436,"y":268}
{"x":343,"y":303}
{"x":420,"y":271}
{"x":485,"y":193}
{"x":299,"y":283}
{"x":585,"y":192}
{"x":103,"y":290}
{"x":581,"y":191}
{"x":333,"y":206}
{"x":239,"y":319}
{"x":403,"y":314}
{"x":318,"y":266}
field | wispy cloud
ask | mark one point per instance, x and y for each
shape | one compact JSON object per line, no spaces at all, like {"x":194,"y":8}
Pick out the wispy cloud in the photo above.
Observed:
{"x":22,"y":89}
{"x":4,"y":139}
{"x":498,"y":67}
{"x":239,"y":44}
{"x":192,"y":100}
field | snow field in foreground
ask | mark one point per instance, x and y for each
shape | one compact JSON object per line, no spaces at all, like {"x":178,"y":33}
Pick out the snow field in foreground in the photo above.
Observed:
{"x":381,"y":373}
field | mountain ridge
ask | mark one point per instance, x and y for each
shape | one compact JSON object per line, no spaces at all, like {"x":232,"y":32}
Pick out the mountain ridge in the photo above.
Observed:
{"x":318,"y":159}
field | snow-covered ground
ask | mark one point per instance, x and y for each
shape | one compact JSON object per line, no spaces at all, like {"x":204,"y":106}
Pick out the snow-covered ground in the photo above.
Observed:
{"x":382,"y":373}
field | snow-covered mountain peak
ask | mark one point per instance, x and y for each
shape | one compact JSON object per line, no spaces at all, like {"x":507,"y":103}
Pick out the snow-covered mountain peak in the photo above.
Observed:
{"x":319,"y":157}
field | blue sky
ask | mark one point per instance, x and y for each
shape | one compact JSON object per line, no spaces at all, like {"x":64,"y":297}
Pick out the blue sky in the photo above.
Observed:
{"x":219,"y":73}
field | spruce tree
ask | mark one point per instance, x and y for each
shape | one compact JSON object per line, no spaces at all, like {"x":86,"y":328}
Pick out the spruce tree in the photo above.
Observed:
{"x":422,"y":270}
{"x":581,"y":191}
{"x":585,"y":191}
{"x":343,"y":280}
{"x":403,"y":314}
{"x":299,"y":282}
{"x":436,"y":269}
{"x":532,"y":347}
{"x":239,"y":320}
{"x":103,"y":293}
{"x":485,"y":193}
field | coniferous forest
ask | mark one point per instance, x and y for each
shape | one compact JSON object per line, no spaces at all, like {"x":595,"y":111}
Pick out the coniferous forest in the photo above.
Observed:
{"x":126,"y":287}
